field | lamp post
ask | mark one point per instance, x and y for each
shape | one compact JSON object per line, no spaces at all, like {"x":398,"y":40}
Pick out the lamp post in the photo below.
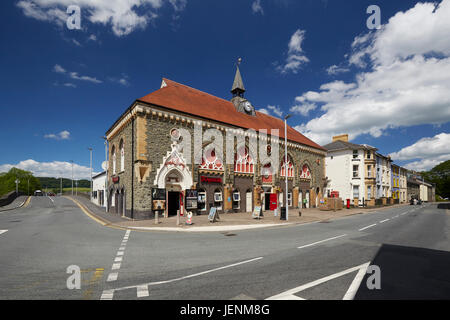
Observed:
{"x":106,"y":171}
{"x":285,"y":164}
{"x":90,"y":151}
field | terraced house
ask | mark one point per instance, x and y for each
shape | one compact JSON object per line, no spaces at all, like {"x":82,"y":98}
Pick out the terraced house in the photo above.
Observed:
{"x":163,"y":155}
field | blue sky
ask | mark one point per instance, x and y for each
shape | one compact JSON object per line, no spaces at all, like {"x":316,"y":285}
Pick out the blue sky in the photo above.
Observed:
{"x":62,"y":89}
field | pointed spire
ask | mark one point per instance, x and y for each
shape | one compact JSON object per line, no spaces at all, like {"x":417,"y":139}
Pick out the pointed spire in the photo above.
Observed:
{"x":238,"y":85}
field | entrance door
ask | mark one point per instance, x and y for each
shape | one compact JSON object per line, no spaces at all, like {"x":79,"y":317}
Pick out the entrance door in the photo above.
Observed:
{"x":267,"y":201}
{"x":273,"y":201}
{"x":248,"y":202}
{"x":300,"y":199}
{"x":173,"y":201}
{"x":307,"y":199}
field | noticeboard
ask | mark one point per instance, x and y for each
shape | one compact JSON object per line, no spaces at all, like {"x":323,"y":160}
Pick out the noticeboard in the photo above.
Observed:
{"x":158,"y":194}
{"x":212,"y":214}
{"x":256,"y":213}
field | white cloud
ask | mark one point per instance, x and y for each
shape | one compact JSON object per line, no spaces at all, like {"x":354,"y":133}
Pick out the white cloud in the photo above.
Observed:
{"x":123,"y":80}
{"x":68,"y":84}
{"x":334,"y":70}
{"x":124,"y":16}
{"x":54,"y":169}
{"x":92,"y":37}
{"x":74,"y":75}
{"x":256,"y":7}
{"x":76,"y":43}
{"x":296,"y":57}
{"x":303,"y":109}
{"x":63,"y":135}
{"x":430,"y":151}
{"x":269,"y":110}
{"x":406,"y":84}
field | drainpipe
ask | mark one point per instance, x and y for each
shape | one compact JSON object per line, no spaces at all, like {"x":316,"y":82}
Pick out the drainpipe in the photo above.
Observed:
{"x":132,"y":168}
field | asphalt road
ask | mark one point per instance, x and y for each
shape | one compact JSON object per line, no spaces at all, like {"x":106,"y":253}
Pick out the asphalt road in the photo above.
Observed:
{"x":409,"y":244}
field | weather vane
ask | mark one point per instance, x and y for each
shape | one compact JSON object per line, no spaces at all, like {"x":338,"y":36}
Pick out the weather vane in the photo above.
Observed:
{"x":239,"y":60}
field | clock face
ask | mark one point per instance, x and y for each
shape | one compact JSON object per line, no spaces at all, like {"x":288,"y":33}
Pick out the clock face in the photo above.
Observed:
{"x":247,"y":106}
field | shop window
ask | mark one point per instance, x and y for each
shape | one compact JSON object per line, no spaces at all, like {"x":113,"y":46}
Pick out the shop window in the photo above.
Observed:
{"x":218,"y":199}
{"x":356,"y":192}
{"x":210,"y":161}
{"x":243,"y":162}
{"x":306,"y":173}
{"x":289,"y":167}
{"x":236,"y":200}
{"x":201,"y":203}
{"x":290,"y":199}
{"x":113,"y":160}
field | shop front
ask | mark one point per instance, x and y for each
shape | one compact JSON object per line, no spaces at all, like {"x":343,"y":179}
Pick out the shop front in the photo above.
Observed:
{"x":210,"y":193}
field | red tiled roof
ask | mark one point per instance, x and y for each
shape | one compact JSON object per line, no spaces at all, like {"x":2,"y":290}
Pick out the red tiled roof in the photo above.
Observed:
{"x":185,"y":99}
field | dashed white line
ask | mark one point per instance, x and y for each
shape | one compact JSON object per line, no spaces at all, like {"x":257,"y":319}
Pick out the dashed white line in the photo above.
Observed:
{"x":382,"y":221}
{"x":372,"y":225}
{"x":312,"y":244}
{"x":112,"y":276}
{"x":3,"y":231}
{"x":116,"y":266}
{"x":142,"y":291}
{"x":118,"y":259}
{"x":117,"y":263}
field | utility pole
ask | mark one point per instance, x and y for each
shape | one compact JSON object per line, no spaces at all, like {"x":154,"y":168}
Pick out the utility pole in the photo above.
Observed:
{"x":285,"y":164}
{"x":90,"y":151}
{"x":72,"y":176}
{"x":17,"y":186}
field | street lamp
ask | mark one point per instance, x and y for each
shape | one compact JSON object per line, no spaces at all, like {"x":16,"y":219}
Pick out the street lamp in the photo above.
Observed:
{"x":285,"y":164}
{"x":106,"y":171}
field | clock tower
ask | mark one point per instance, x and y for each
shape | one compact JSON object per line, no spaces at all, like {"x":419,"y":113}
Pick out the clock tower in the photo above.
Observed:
{"x":241,"y":104}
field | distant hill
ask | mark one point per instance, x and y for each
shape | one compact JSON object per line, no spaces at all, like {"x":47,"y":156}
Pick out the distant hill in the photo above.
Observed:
{"x":440,"y":175}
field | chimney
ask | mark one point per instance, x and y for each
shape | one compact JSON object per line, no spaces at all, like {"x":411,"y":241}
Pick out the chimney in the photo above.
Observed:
{"x":342,"y":137}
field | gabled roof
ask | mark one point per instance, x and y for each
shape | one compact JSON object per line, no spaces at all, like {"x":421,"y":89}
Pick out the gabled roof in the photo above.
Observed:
{"x":344,"y":145}
{"x":179,"y":97}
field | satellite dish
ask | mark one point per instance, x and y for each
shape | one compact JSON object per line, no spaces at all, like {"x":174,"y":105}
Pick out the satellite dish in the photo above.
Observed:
{"x":104,"y":165}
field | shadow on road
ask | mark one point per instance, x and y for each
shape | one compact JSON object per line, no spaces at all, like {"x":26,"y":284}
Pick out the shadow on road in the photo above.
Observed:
{"x":409,"y":273}
{"x":444,"y":205}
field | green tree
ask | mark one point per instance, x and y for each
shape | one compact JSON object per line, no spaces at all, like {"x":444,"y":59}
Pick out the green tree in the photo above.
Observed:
{"x":27,"y":182}
{"x":440,"y":175}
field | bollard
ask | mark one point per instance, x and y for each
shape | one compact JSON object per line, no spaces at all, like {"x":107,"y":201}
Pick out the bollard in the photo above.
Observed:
{"x":157,"y":217}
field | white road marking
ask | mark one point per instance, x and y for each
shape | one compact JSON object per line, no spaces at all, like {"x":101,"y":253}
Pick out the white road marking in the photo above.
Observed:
{"x":3,"y":231}
{"x":351,"y":292}
{"x":110,"y":293}
{"x":382,"y":221}
{"x":118,"y":259}
{"x":120,"y":253}
{"x":51,"y":199}
{"x":287,"y":295}
{"x":312,"y":244}
{"x":107,"y":295}
{"x":115,"y":266}
{"x":142,"y":291}
{"x":372,"y":225}
{"x":112,"y":276}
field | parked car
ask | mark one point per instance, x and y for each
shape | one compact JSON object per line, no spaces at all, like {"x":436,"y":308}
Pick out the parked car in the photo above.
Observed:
{"x":38,"y":193}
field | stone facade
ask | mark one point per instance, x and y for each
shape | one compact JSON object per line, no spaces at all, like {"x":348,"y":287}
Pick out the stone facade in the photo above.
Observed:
{"x":146,"y":134}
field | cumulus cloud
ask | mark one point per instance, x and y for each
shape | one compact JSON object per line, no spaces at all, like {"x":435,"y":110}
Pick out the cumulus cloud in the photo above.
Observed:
{"x":55,"y":169}
{"x":303,"y":109}
{"x":63,"y":135}
{"x":124,"y":16}
{"x":429,"y":151}
{"x":406,"y":83}
{"x":295,"y":57}
{"x":334,"y":70}
{"x":256,"y":7}
{"x":272,"y":110}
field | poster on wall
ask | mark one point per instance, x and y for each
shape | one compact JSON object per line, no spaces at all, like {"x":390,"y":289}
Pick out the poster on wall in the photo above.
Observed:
{"x":191,"y":199}
{"x":158,"y":194}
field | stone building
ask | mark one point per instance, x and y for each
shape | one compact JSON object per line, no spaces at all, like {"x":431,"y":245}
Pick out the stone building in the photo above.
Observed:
{"x":167,"y":152}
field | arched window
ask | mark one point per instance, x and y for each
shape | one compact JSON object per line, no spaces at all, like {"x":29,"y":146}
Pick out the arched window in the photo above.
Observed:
{"x":243,"y":161}
{"x":122,"y":156}
{"x":289,"y":168}
{"x":210,"y":161}
{"x":306,"y":173}
{"x":113,"y":152}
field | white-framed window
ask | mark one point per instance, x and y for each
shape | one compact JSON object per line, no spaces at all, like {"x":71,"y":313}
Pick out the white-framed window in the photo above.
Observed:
{"x":218,"y":200}
{"x":289,"y":167}
{"x":355,"y":171}
{"x":122,"y":156}
{"x":290,"y":199}
{"x":369,"y":171}
{"x":355,"y":154}
{"x":236,"y":200}
{"x":369,"y":192}
{"x":210,"y":161}
{"x":356,"y":192}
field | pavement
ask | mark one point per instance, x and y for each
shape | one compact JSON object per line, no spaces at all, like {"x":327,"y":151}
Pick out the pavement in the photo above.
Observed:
{"x":227,"y":222}
{"x":330,"y":259}
{"x":17,"y":203}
